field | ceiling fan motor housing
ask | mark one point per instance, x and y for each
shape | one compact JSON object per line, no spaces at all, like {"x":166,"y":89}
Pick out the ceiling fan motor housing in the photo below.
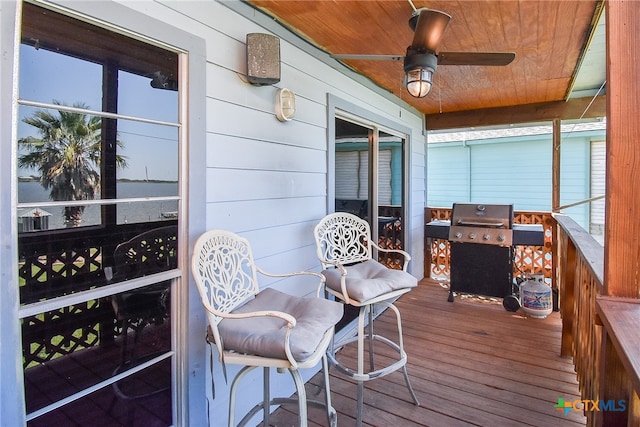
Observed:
{"x":415,"y":59}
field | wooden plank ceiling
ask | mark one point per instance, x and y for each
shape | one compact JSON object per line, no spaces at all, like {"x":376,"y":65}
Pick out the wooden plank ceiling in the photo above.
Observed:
{"x":548,"y":38}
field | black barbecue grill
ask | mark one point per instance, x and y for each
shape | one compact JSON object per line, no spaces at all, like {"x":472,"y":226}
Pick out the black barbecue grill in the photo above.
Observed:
{"x":482,"y":237}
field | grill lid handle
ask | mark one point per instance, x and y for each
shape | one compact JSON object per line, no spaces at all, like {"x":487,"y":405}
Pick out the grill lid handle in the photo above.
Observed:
{"x":481,"y":223}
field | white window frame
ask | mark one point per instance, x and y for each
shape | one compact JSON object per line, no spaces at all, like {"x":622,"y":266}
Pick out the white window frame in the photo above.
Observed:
{"x":188,"y":375}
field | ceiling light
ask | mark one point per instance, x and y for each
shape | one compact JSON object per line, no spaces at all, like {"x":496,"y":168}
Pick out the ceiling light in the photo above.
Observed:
{"x":419,"y":82}
{"x":419,"y":69}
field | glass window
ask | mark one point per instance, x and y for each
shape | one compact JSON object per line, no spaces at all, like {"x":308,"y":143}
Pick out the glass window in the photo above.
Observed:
{"x":98,"y":206}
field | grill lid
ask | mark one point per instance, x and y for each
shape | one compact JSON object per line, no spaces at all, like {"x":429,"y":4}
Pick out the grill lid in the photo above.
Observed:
{"x":480,"y":215}
{"x":481,"y":223}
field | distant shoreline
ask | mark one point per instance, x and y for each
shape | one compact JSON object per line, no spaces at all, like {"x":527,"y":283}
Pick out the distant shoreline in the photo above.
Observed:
{"x":155,"y":181}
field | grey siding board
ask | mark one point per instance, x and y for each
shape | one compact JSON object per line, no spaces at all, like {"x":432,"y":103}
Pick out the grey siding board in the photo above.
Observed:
{"x":233,"y":90}
{"x":235,"y":120}
{"x":230,"y":152}
{"x":259,"y":185}
{"x":293,"y":236}
{"x":244,"y":215}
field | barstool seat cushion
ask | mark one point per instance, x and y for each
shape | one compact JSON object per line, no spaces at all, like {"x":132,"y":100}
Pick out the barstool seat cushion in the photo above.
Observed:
{"x":369,"y":279}
{"x":264,"y":336}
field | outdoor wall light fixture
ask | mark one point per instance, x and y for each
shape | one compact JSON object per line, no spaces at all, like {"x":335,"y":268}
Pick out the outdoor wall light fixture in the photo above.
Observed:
{"x":285,"y":104}
{"x":419,"y":68}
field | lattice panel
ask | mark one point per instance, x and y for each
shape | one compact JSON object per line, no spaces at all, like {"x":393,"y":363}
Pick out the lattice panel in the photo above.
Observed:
{"x":443,"y":214}
{"x":59,"y":263}
{"x":52,"y":334}
{"x":440,"y":259}
{"x":391,"y":238}
{"x":535,"y":259}
{"x":46,"y":275}
{"x":54,"y":274}
{"x":528,"y":260}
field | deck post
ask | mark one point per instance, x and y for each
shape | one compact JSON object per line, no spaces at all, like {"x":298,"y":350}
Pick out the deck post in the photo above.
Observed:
{"x":622,"y":201}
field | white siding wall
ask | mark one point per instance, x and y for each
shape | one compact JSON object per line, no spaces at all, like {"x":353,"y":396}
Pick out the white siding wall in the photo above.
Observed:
{"x":511,"y":170}
{"x":598,"y":173}
{"x":574,"y":178}
{"x":448,"y":174}
{"x":265,"y":179}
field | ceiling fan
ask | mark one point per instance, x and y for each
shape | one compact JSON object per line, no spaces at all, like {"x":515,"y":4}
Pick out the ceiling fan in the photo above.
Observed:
{"x":421,"y":59}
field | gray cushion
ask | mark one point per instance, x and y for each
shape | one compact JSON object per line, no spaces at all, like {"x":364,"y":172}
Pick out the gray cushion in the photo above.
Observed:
{"x":264,"y":336}
{"x":370,"y":279}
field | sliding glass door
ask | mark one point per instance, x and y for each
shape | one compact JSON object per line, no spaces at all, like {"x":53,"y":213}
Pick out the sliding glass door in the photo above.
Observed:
{"x":369,"y":179}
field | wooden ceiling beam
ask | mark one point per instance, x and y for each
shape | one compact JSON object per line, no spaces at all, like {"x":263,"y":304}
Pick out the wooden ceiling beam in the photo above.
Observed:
{"x":528,"y":113}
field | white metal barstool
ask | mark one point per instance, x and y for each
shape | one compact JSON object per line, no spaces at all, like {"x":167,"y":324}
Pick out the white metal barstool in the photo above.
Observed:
{"x":268,"y":328}
{"x":344,"y":247}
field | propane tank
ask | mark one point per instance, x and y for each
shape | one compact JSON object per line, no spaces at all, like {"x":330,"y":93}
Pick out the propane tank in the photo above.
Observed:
{"x":536,"y":297}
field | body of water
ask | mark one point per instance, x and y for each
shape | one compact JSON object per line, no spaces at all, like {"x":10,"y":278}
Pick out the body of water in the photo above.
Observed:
{"x":29,"y":192}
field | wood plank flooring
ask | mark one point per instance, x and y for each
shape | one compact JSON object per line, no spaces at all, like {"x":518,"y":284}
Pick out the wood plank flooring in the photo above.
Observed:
{"x":471,"y":363}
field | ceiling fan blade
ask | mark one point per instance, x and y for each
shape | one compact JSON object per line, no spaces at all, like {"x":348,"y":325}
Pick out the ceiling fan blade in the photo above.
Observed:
{"x":370,"y":57}
{"x":429,"y":29}
{"x":476,"y":58}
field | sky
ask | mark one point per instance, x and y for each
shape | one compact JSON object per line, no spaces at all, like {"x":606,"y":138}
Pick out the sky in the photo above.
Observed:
{"x":151,"y":150}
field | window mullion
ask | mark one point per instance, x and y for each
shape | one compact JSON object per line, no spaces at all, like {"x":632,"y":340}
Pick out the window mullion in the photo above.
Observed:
{"x":109,"y":143}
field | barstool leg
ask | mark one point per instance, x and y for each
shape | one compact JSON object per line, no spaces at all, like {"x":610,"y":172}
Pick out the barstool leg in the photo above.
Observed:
{"x":266,"y":395}
{"x":371,"y":343}
{"x":332,"y":416}
{"x":360,"y":403}
{"x":302,"y":397}
{"x":406,"y":379}
{"x":232,"y":392}
{"x":361,"y":334}
{"x":403,"y":354}
{"x":359,"y":375}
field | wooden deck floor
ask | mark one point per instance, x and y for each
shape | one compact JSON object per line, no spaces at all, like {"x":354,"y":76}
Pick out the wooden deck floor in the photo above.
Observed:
{"x":471,"y":363}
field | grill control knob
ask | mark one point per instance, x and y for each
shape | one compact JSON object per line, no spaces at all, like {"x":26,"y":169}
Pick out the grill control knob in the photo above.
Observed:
{"x":472,"y":236}
{"x":501,"y":238}
{"x":458,"y":235}
{"x":487,"y":236}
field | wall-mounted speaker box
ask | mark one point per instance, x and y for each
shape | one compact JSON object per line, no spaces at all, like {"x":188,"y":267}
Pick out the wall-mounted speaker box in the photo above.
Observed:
{"x":263,"y":59}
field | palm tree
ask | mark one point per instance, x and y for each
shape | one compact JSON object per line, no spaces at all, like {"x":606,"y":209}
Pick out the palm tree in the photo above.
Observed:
{"x":67,"y":155}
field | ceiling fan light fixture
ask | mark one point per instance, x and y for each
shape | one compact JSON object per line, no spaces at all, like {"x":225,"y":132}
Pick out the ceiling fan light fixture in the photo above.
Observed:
{"x":419,"y":69}
{"x":419,"y":82}
{"x":421,"y":60}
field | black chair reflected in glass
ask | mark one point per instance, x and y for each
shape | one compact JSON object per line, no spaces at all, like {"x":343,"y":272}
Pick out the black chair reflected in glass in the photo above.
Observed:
{"x":150,"y":252}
